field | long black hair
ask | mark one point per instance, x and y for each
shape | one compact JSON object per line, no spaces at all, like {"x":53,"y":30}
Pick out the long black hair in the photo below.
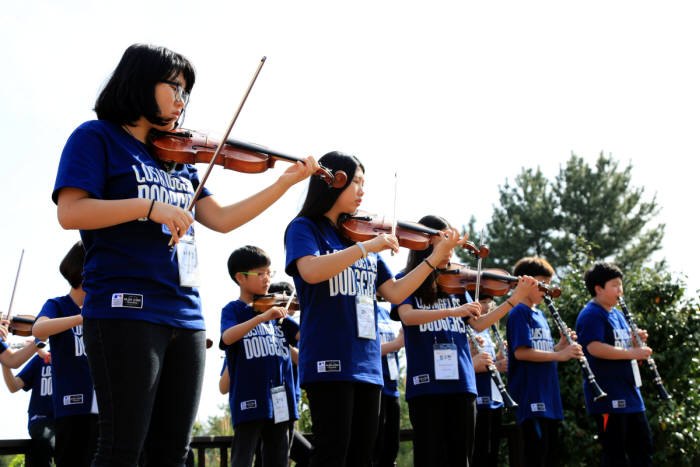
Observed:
{"x":320,"y":196}
{"x":428,"y":291}
{"x":130,"y":91}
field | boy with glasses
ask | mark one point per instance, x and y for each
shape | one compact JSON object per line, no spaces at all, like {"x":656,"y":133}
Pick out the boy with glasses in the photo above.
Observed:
{"x":262,"y":389}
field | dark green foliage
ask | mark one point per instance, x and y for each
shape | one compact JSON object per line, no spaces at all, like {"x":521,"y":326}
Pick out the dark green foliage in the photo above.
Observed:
{"x":539,"y":217}
{"x":673,"y":321}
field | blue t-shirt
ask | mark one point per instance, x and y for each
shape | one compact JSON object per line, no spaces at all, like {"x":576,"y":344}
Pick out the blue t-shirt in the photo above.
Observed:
{"x":290,"y":329}
{"x":36,"y":376}
{"x":615,"y":377}
{"x":386,"y":334}
{"x":72,"y":383}
{"x":485,"y":387}
{"x":420,"y":341}
{"x":533,"y":385}
{"x":329,"y":347}
{"x":257,"y":363}
{"x":129,"y":269}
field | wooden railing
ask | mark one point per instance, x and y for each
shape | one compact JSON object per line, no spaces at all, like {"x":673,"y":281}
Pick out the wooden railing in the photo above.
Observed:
{"x":200,"y":444}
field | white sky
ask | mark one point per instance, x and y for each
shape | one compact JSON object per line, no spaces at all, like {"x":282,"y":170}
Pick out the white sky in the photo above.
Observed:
{"x":456,"y":96}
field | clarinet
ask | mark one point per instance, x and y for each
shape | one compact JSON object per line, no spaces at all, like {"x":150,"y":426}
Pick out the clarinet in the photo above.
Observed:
{"x":508,"y":401}
{"x":499,"y":340}
{"x":652,"y":364}
{"x":583,"y":361}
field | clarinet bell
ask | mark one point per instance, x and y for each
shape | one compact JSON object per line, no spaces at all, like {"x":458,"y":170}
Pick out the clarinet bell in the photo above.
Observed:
{"x":508,"y":401}
{"x":597,"y":392}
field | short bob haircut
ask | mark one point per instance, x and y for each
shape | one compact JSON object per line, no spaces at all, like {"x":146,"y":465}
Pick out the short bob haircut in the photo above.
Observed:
{"x":246,"y":258}
{"x":600,"y":274}
{"x":532,"y":266}
{"x":71,"y":267}
{"x":130,"y":91}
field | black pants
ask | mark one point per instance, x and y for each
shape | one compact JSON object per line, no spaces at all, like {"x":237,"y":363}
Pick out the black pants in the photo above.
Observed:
{"x":540,"y":441}
{"x":344,"y":416}
{"x":300,"y":451}
{"x":148,"y":380}
{"x":76,"y":438}
{"x":443,"y":429}
{"x":626,"y":440}
{"x":386,"y":447}
{"x":275,"y":439}
{"x":43,"y":443}
{"x":487,"y":437}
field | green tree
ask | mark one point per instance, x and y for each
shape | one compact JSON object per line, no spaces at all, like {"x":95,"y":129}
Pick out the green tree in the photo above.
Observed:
{"x":539,"y":217}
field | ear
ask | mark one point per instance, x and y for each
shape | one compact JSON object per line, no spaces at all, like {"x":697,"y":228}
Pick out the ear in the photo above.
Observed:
{"x":598,"y":289}
{"x":239,"y":277}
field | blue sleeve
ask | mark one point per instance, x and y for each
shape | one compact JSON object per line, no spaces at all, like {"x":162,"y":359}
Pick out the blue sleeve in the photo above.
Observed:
{"x":300,"y":241}
{"x":3,"y":346}
{"x":519,"y":328}
{"x":394,"y":312}
{"x":223,"y":367}
{"x":28,"y":372}
{"x":589,"y":328}
{"x":229,"y":316}
{"x":83,"y":164}
{"x":50,"y":310}
{"x":194,"y":178}
{"x":383,"y":271}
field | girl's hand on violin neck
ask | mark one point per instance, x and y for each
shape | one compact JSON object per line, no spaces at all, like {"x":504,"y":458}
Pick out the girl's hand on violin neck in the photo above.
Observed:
{"x":526,"y":286}
{"x":382,"y":242}
{"x":299,"y":171}
{"x":442,"y":252}
{"x":177,"y":219}
{"x":3,"y":329}
{"x":274,"y":313}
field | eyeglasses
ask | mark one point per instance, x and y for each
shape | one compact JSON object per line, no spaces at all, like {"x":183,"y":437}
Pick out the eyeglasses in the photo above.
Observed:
{"x":180,"y":93}
{"x":271,"y":274}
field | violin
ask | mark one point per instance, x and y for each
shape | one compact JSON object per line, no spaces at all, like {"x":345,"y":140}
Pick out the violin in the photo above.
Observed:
{"x":495,"y":282}
{"x":262,"y":303}
{"x":21,"y":325}
{"x":412,"y":235}
{"x":183,"y":146}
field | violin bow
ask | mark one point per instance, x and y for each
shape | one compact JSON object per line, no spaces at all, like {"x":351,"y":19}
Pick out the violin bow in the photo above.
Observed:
{"x":14,"y":288}
{"x":222,"y":142}
{"x":478,"y":271}
{"x":393,"y":222}
{"x":289,"y":303}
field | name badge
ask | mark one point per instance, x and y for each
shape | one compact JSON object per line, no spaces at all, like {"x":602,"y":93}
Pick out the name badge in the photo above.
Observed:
{"x":393,"y":368}
{"x":279,"y":404}
{"x":635,"y":372}
{"x":364,"y":309}
{"x":187,"y":262}
{"x":445,"y":356}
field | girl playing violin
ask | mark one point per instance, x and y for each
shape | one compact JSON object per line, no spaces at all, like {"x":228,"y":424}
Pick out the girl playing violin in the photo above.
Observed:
{"x":127,"y":206}
{"x":440,"y":379}
{"x":337,"y":282}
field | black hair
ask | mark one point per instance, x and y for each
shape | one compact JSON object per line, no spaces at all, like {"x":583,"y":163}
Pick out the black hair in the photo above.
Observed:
{"x":71,"y":267}
{"x":246,"y":258}
{"x":281,"y":287}
{"x":533,"y":266}
{"x":599,"y":274}
{"x":428,"y":291}
{"x":321,"y":197}
{"x":130,"y":91}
